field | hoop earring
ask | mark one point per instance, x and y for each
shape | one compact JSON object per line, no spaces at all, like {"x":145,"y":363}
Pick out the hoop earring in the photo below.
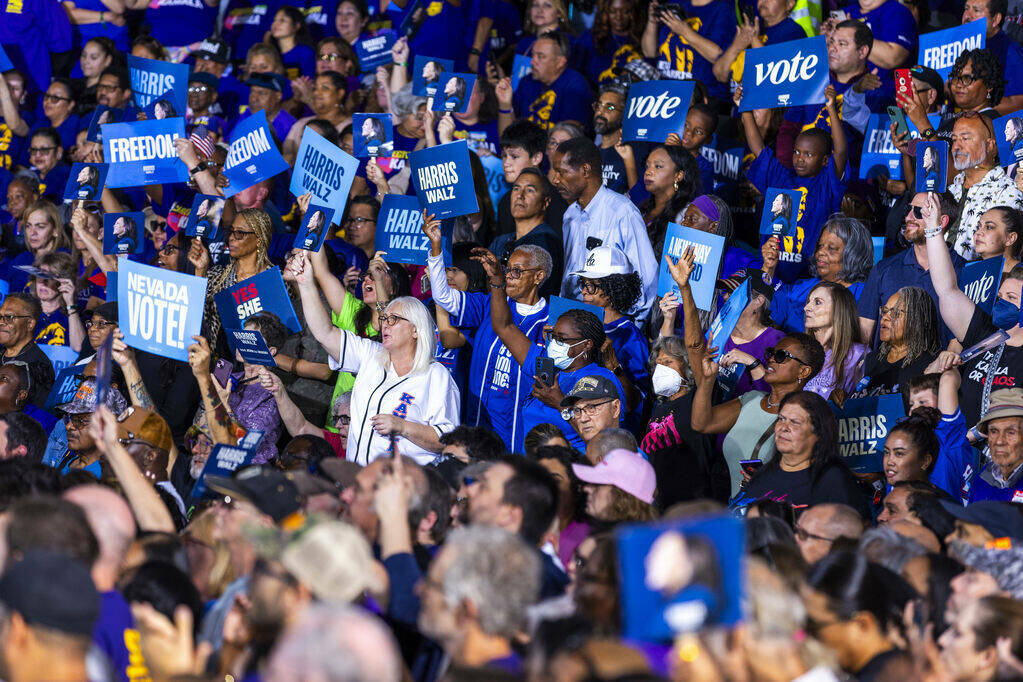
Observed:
{"x":676,"y":185}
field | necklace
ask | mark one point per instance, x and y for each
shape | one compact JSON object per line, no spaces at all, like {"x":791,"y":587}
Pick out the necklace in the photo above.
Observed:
{"x":771,"y":405}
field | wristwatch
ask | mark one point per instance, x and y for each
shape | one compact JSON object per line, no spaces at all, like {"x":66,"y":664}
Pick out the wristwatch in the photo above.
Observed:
{"x":199,"y":168}
{"x":753,"y":365}
{"x":928,"y":134}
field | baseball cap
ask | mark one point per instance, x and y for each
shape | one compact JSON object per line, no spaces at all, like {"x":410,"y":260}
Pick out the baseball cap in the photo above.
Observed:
{"x":207,"y":79}
{"x":592,"y":387}
{"x":340,"y":471}
{"x":639,"y":70}
{"x":270,"y":81}
{"x":616,"y":85}
{"x":53,"y":590}
{"x":929,"y":76}
{"x":624,"y":470}
{"x":757,"y":285}
{"x":85,"y":399}
{"x":1005,"y":402}
{"x":334,"y":560}
{"x":1004,"y":565}
{"x":140,"y":423}
{"x":214,"y":49}
{"x":108,"y":311}
{"x":1001,"y":519}
{"x":603,"y":261}
{"x":269,"y":491}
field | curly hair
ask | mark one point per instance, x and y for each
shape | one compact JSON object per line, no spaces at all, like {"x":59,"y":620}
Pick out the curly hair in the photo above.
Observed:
{"x":627,"y":508}
{"x":987,"y":68}
{"x":688,"y":188}
{"x":622,"y":291}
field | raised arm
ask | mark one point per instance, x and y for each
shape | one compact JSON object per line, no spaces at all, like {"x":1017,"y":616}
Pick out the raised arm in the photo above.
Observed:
{"x":9,"y":110}
{"x":316,"y":318}
{"x":840,"y":146}
{"x":124,"y":356}
{"x":744,"y":34}
{"x":888,"y":55}
{"x":517,"y":343}
{"x":93,"y":245}
{"x":681,"y":270}
{"x":444,"y":296}
{"x":708,"y":418}
{"x":400,"y":54}
{"x":649,"y":39}
{"x":224,"y":428}
{"x":291,"y":416}
{"x":749,"y":124}
{"x":956,"y":307}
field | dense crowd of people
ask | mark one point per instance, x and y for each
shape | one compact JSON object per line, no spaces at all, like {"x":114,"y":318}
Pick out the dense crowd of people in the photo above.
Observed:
{"x":519,"y":457}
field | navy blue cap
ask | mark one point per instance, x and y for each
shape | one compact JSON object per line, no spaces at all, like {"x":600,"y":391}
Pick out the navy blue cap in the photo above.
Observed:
{"x":52,"y":590}
{"x":207,"y":79}
{"x":270,"y":81}
{"x":1001,"y":519}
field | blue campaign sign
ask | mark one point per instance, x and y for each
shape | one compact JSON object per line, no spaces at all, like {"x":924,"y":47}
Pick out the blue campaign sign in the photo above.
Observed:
{"x":375,"y":51}
{"x":60,"y":356}
{"x":253,"y":156}
{"x":780,"y":211}
{"x":708,"y":251}
{"x":932,"y":166}
{"x":104,"y":368}
{"x":878,"y":243}
{"x":224,"y":460}
{"x":425,"y":73}
{"x":159,"y":310}
{"x":64,"y":386}
{"x":153,"y":80}
{"x":86,"y":181}
{"x":124,"y":233}
{"x":558,"y":306}
{"x":251,"y":345}
{"x":373,"y":135}
{"x":315,"y":226}
{"x":879,"y":154}
{"x":1009,"y":134}
{"x":453,"y":92}
{"x":940,"y":49}
{"x":655,"y":609}
{"x":980,"y":280}
{"x":265,"y":291}
{"x":203,"y":220}
{"x":656,"y":109}
{"x":5,"y":61}
{"x":863,"y":426}
{"x":785,"y":74}
{"x":5,"y":288}
{"x":522,"y":66}
{"x":442,"y":178}
{"x":111,"y":287}
{"x":323,"y":169}
{"x":726,"y":157}
{"x":143,"y":152}
{"x":400,"y":231}
{"x":721,"y":328}
{"x":102,"y":116}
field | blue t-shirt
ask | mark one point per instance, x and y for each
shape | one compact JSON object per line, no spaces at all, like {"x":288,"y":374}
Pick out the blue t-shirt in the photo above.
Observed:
{"x":789,"y":300}
{"x":706,"y":173}
{"x":1010,"y":55}
{"x":176,"y":23}
{"x":632,"y":351}
{"x":566,"y":99}
{"x":444,"y":32}
{"x":536,"y":412}
{"x":892,"y":22}
{"x":52,"y":184}
{"x":957,"y":461}
{"x":246,"y":22}
{"x":984,"y":489}
{"x":782,"y":32}
{"x":29,"y":31}
{"x":299,"y":61}
{"x":677,"y":60}
{"x":600,"y":64}
{"x":507,"y":28}
{"x":822,"y":196}
{"x":498,"y":387}
{"x":83,"y":33}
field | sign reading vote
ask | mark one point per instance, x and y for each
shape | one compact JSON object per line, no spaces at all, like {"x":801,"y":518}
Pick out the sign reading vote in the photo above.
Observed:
{"x":979,"y":281}
{"x":124,"y":233}
{"x":863,"y":426}
{"x":152,"y":80}
{"x":143,"y":153}
{"x":252,"y":156}
{"x":656,"y":109}
{"x":264,"y":291}
{"x":879,"y":154}
{"x":1009,"y":134}
{"x":721,"y":328}
{"x":707,"y":250}
{"x":323,"y":169}
{"x":400,"y":231}
{"x":785,"y":74}
{"x":251,"y":345}
{"x":375,"y":51}
{"x":159,"y":310}
{"x":932,"y":166}
{"x":442,"y":178}
{"x":940,"y":49}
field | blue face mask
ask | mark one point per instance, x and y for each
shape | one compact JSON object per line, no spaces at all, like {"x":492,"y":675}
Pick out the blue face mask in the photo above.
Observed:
{"x":1004,"y":314}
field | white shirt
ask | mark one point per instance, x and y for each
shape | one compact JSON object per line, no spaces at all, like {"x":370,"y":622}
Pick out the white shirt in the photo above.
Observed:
{"x":612,"y":219}
{"x":995,"y":189}
{"x":430,"y":397}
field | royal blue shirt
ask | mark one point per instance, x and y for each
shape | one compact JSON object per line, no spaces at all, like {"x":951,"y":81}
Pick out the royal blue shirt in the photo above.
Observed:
{"x":957,"y":462}
{"x":632,"y":351}
{"x":789,"y":300}
{"x":599,"y":64}
{"x":246,"y":22}
{"x":677,"y":60}
{"x":784,"y":31}
{"x":299,"y":61}
{"x":176,"y":23}
{"x":566,"y":99}
{"x":29,"y":31}
{"x":892,"y":22}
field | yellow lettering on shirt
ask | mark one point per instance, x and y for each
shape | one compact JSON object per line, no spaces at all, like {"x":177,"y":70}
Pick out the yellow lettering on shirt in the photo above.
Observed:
{"x":540,"y":109}
{"x":787,"y":244}
{"x":434,"y":8}
{"x":137,"y":670}
{"x":823,"y":120}
{"x":15,"y":6}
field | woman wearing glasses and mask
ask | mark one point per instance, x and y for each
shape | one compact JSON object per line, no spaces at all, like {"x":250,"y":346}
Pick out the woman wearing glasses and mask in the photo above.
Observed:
{"x":401,"y":395}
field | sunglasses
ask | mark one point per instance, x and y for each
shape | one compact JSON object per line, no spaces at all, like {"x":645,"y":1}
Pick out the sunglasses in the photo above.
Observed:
{"x":779,"y":356}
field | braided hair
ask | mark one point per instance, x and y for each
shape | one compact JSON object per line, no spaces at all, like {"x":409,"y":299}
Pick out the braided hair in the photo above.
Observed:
{"x":921,"y":327}
{"x":622,"y":291}
{"x":589,"y":329}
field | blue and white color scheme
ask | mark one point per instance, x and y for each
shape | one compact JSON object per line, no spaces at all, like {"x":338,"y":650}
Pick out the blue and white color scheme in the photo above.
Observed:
{"x":253,"y":156}
{"x":781,"y":208}
{"x":159,"y":310}
{"x":375,"y":51}
{"x":315,"y":225}
{"x":863,"y":426}
{"x":940,"y":49}
{"x":980,"y":281}
{"x":373,"y":135}
{"x":785,"y":74}
{"x":558,"y":306}
{"x":251,"y":345}
{"x":204,"y":218}
{"x":324,"y":170}
{"x":153,"y":80}
{"x":722,"y":326}
{"x":932,"y":166}
{"x":426,"y":71}
{"x":124,"y":233}
{"x":655,"y":109}
{"x":442,"y":178}
{"x":708,"y":251}
{"x":1009,"y":135}
{"x":453,"y":92}
{"x":143,"y":153}
{"x":400,"y":232}
{"x":86,"y":181}
{"x":265,"y":291}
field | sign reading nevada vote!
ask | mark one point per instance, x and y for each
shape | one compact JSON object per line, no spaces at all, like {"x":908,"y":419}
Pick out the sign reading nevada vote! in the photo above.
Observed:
{"x":253,"y":155}
{"x":656,"y":109}
{"x":442,"y":178}
{"x":323,"y":169}
{"x":785,"y":75}
{"x":152,"y":80}
{"x":159,"y":310}
{"x":143,"y":153}
{"x":940,"y":49}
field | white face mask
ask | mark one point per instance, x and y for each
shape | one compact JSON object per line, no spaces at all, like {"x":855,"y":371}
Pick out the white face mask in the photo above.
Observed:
{"x":666,"y":381}
{"x":558,"y":352}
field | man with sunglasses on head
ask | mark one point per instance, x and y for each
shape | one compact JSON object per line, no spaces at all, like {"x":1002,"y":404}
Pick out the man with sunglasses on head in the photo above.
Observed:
{"x":909,"y":268}
{"x":19,"y":315}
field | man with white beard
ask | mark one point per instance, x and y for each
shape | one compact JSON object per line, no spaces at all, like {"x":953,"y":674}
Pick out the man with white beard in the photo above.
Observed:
{"x":979,"y":175}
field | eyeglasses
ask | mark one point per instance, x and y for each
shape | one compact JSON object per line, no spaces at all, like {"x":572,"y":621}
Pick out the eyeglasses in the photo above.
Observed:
{"x":343,"y":419}
{"x":803,"y":535}
{"x":239,"y":234}
{"x":589,"y":286}
{"x":32,"y":151}
{"x":610,"y":108}
{"x":332,"y":57}
{"x":168,"y":249}
{"x":106,"y":88}
{"x":8,"y":318}
{"x":198,"y":88}
{"x":562,"y":339}
{"x":103,"y":325}
{"x":391,"y":320}
{"x":568,"y":414}
{"x":357,"y":221}
{"x":56,"y":98}
{"x":966,"y":79}
{"x":894,"y":312}
{"x":516,"y":272}
{"x":779,"y":356}
{"x":77,"y":421}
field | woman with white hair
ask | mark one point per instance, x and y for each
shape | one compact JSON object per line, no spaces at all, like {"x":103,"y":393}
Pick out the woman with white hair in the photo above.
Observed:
{"x":400,"y":391}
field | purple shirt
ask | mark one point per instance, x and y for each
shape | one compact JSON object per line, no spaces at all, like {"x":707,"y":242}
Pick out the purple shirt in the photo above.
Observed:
{"x":109,"y":636}
{"x":768,"y":338}
{"x":824,"y":383}
{"x":255,"y":408}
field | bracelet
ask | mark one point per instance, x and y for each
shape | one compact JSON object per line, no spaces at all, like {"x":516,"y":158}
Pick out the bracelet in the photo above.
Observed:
{"x":474,"y":50}
{"x":72,"y":310}
{"x":496,"y":286}
{"x":928,"y":134}
{"x":401,"y":63}
{"x":505,"y":111}
{"x":753,"y":365}
{"x":932,"y":232}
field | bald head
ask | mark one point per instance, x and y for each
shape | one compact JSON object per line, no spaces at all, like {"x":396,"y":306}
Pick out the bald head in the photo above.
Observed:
{"x":821,"y":525}
{"x":112,"y":523}
{"x":917,"y":532}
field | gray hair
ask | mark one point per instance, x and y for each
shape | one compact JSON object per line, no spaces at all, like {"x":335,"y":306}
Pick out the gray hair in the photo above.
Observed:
{"x":404,"y":103}
{"x":539,"y":257}
{"x":571,"y":128}
{"x":496,"y":571}
{"x":884,"y":546}
{"x":414,"y":311}
{"x":610,"y":439}
{"x":335,"y":643}
{"x":858,"y":251}
{"x":676,"y":348}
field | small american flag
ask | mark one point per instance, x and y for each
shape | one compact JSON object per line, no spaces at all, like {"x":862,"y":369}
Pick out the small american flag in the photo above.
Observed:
{"x":200,"y":137}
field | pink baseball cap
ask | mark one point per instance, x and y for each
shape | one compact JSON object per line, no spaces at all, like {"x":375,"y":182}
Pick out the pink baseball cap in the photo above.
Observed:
{"x":622,"y":469}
